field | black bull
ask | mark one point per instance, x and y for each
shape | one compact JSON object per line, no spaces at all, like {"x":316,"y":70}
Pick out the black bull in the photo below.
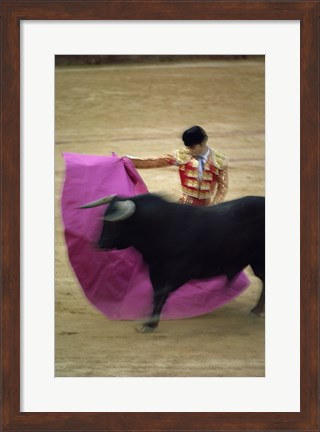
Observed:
{"x":181,"y":242}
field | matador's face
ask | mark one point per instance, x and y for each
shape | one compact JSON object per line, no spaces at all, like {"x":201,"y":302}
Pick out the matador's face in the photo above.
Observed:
{"x":197,"y":149}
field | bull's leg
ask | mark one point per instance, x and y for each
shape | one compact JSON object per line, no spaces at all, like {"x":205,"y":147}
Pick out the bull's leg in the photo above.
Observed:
{"x":259,"y":308}
{"x":159,"y":299}
{"x":259,"y":271}
{"x":161,"y":290}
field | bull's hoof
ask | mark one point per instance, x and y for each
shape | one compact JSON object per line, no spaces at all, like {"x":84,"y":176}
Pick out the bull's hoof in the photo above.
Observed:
{"x":146,"y":328}
{"x":256,"y":312}
{"x":259,"y":308}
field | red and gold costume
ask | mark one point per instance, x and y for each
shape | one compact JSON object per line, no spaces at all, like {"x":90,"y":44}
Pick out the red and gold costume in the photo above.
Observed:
{"x":207,"y":188}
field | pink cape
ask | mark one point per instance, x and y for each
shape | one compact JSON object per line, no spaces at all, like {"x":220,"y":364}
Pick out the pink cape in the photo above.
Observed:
{"x":117,"y":282}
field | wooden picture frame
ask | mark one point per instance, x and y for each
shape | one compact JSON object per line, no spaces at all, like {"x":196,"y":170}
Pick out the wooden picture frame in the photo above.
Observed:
{"x":12,"y":13}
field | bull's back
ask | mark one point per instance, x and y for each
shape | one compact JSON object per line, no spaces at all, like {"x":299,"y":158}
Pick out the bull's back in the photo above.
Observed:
{"x":244,"y":206}
{"x":242,"y":211}
{"x":234,"y":228}
{"x":185,"y":229}
{"x":242,"y":224}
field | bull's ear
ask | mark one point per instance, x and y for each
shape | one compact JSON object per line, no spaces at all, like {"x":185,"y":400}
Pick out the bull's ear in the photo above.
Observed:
{"x":122,"y":210}
{"x":99,"y":202}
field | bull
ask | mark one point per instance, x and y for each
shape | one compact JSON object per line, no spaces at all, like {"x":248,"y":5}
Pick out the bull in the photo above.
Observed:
{"x":181,"y":242}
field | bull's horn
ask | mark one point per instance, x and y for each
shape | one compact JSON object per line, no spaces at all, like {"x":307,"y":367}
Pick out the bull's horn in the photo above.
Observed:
{"x":123,"y":210}
{"x":99,"y":202}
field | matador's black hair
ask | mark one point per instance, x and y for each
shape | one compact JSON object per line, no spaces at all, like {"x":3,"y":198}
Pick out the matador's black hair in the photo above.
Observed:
{"x":194,"y":135}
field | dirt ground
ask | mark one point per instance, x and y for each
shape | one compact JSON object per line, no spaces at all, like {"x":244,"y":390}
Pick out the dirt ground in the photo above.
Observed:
{"x":143,"y":110}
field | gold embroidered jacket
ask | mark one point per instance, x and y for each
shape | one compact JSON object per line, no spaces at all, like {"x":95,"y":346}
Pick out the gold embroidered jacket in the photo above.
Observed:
{"x":211,"y":187}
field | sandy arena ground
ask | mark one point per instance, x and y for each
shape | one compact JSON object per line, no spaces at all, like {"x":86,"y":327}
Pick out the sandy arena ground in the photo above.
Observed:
{"x":142,"y":110}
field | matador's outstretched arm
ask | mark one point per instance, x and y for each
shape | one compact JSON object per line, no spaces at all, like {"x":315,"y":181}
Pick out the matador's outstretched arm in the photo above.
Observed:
{"x":152,"y":162}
